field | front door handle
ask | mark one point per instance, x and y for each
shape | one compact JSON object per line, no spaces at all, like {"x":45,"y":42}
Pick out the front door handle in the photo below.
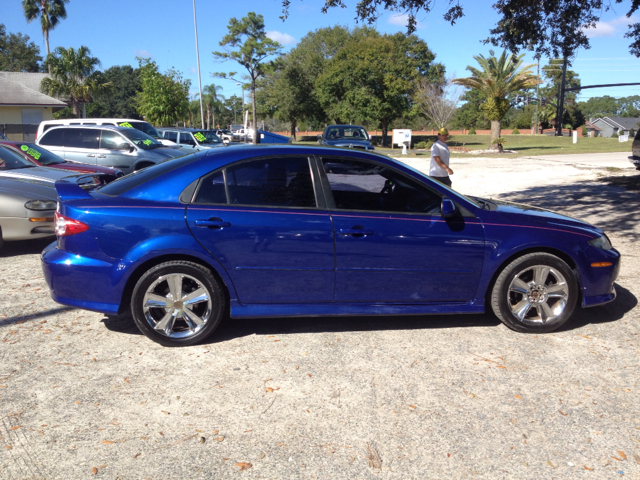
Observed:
{"x":101,"y":156}
{"x":91,"y":155}
{"x":212,"y":223}
{"x":357,"y":231}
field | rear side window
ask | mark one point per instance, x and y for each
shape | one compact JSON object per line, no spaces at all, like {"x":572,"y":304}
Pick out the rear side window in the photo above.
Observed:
{"x":173,"y":136}
{"x":53,"y":137}
{"x":274,"y":182}
{"x":81,"y":138}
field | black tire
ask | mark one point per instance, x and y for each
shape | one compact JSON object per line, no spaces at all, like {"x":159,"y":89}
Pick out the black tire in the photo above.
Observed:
{"x":188,"y":320}
{"x":528,"y":304}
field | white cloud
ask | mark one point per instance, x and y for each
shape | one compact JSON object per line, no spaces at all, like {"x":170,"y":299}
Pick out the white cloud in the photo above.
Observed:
{"x":193,"y":70}
{"x":610,"y":28}
{"x":142,"y":53}
{"x":281,"y":38}
{"x":401,"y":20}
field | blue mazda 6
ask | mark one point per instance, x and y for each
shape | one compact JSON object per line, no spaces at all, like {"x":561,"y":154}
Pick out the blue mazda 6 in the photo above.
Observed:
{"x":275,"y":231}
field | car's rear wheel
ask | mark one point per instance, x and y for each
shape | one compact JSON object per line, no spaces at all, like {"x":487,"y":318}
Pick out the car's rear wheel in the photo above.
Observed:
{"x":535,"y":293}
{"x":177,"y":303}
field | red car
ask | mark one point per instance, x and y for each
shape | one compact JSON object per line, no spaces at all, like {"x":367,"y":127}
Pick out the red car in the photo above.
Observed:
{"x":44,"y":158}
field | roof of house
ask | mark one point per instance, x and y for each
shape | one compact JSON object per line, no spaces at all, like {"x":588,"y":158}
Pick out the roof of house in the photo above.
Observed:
{"x":625,"y":123}
{"x":19,"y":88}
{"x":591,"y":125}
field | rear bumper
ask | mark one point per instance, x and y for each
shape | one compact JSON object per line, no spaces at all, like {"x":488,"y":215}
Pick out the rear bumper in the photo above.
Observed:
{"x":635,"y":160}
{"x":72,"y":276}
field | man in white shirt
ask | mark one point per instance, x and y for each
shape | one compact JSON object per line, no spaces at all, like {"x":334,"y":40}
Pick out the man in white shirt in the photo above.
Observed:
{"x":439,"y":169}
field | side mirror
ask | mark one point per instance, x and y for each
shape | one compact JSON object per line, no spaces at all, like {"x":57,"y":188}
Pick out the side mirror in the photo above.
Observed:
{"x":131,"y":148}
{"x":448,"y":208}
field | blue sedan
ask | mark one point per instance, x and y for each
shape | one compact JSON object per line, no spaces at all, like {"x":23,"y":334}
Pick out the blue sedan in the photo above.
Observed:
{"x":275,"y":231}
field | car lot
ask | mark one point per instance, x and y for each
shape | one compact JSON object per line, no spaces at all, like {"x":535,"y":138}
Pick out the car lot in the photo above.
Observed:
{"x":390,"y":397}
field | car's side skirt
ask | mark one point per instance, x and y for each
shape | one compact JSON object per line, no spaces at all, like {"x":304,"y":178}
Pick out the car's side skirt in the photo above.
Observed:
{"x":239,"y":310}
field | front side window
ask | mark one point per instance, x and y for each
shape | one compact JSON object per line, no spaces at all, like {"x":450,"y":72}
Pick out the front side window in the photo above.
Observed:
{"x":111,"y":140}
{"x":359,"y":185}
{"x":185,"y":139}
{"x":276,"y":182}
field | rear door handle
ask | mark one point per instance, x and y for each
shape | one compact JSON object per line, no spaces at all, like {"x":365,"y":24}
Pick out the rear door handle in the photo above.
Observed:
{"x":91,"y":155}
{"x":213,"y":223}
{"x":101,"y":156}
{"x":357,"y":231}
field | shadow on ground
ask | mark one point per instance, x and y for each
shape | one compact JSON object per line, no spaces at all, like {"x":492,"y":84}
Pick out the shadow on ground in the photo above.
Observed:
{"x":231,"y":329}
{"x":611,"y":207}
{"x":24,"y":247}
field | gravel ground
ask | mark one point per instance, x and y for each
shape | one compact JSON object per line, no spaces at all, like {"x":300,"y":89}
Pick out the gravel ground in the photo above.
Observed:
{"x":86,"y":396}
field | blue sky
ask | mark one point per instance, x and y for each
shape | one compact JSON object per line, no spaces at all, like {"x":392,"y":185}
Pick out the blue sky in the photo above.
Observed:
{"x":116,"y":31}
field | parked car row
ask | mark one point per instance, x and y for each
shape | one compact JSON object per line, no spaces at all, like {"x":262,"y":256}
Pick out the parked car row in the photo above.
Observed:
{"x":191,"y":140}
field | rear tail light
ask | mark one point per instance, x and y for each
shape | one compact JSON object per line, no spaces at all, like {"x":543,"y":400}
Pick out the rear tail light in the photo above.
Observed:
{"x":67,"y":226}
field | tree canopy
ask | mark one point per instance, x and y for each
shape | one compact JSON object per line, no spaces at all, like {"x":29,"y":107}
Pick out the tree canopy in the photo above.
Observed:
{"x":551,"y":28}
{"x":17,"y":53}
{"x":73,"y":76}
{"x":50,"y":13}
{"x":248,"y":45}
{"x":163,"y":99}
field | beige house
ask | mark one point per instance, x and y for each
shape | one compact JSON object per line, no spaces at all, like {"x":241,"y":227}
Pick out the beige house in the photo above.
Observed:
{"x":23,"y":106}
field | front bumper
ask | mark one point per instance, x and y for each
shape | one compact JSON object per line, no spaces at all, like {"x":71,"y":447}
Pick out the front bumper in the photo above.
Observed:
{"x":635,"y":160}
{"x":598,"y":282}
{"x":21,"y":228}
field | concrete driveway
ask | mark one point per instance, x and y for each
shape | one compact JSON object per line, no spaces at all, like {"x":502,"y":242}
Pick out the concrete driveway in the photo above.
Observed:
{"x":86,"y":396}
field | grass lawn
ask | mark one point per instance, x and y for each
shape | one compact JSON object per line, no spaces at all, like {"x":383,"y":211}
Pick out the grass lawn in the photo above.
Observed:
{"x":526,"y":145}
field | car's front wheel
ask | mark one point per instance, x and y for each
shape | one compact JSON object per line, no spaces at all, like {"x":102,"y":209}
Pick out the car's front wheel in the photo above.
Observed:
{"x":535,"y":293}
{"x":177,"y":303}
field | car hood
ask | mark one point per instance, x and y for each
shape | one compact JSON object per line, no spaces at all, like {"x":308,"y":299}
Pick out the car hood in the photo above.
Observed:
{"x":345,"y":142}
{"x":520,"y":212}
{"x":44,"y":174}
{"x":166,"y":152}
{"x":29,"y":188}
{"x":84,"y":168}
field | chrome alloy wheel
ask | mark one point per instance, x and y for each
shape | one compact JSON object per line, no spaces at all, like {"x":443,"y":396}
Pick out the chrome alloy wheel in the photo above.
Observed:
{"x":538,"y":295}
{"x":177,"y":305}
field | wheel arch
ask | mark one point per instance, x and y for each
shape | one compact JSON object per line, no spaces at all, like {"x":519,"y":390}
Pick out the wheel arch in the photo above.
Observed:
{"x":521,"y":253}
{"x":152,"y":262}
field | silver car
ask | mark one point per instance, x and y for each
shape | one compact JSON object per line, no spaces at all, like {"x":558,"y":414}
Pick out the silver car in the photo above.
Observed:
{"x":28,"y":198}
{"x":126,"y":149}
{"x":191,"y":140}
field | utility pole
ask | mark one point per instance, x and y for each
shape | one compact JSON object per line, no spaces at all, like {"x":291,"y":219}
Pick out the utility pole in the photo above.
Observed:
{"x":560,"y":112}
{"x":535,"y":115}
{"x":195,"y":24}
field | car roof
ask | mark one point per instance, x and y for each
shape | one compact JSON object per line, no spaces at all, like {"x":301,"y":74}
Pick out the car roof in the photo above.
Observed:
{"x":91,"y":127}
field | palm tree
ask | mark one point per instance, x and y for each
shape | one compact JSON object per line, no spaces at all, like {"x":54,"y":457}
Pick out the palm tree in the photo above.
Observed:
{"x":73,"y":76}
{"x":50,"y":13}
{"x":497,"y":81}
{"x":211,"y":101}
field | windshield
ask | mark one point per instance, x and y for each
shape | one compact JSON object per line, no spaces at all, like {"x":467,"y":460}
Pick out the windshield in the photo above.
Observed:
{"x":206,"y":138}
{"x":349,"y":132}
{"x":140,"y":139}
{"x":11,"y":160}
{"x":144,"y":127}
{"x":42,"y":156}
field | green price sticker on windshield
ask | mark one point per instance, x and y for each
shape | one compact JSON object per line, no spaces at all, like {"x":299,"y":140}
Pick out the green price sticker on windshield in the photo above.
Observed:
{"x":126,"y":124}
{"x":147,"y":142}
{"x":200,"y":137}
{"x":32,"y":152}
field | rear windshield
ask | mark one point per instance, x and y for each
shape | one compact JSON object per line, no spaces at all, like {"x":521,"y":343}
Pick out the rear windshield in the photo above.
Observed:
{"x":142,"y":126}
{"x":206,"y":138}
{"x":41,"y":155}
{"x":131,"y":181}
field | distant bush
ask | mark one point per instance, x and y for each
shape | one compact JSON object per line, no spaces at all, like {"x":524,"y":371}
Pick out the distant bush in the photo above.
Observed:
{"x":632,"y":133}
{"x":614,"y":135}
{"x":584,"y":131}
{"x":472,"y":131}
{"x":424,"y":145}
{"x":515,"y":132}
